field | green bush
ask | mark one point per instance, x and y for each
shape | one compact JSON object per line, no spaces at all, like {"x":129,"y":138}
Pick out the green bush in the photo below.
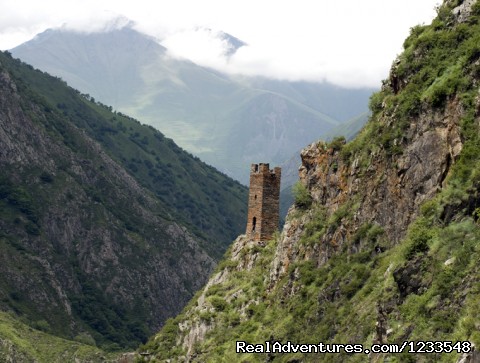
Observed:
{"x":419,"y":236}
{"x":301,"y":195}
{"x":218,"y":303}
{"x":375,"y":102}
{"x":41,"y":325}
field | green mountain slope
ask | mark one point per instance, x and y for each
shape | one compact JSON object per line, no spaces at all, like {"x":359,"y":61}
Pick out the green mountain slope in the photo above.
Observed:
{"x":224,"y":120}
{"x":20,"y":343}
{"x":106,"y":227}
{"x":184,"y":185}
{"x":384,"y":242}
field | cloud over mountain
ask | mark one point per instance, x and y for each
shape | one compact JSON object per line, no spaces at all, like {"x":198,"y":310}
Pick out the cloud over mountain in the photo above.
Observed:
{"x":348,"y":43}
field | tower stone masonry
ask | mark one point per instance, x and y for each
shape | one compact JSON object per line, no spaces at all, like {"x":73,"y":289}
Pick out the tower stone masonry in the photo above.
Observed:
{"x":263,"y":202}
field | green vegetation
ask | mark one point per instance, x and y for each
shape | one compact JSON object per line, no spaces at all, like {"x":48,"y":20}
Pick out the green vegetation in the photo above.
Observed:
{"x":20,"y":343}
{"x":337,"y":143}
{"x":210,"y":203}
{"x":339,"y":301}
{"x":438,"y":64}
{"x":301,"y":195}
{"x":93,"y":205}
{"x":423,"y":288}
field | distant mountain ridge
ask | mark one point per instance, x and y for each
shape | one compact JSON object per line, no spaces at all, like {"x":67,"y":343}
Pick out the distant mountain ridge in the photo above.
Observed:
{"x":227,"y":121}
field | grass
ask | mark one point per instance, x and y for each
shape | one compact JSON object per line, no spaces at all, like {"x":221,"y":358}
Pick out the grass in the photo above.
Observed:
{"x":22,"y":343}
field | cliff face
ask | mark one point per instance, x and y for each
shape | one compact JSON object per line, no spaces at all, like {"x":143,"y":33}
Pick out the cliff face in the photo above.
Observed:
{"x":386,"y":192}
{"x":382,"y":245}
{"x":86,"y":250}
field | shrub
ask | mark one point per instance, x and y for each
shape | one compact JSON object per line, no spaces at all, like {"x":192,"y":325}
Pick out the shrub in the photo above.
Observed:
{"x":218,"y":303}
{"x":337,"y":143}
{"x":375,"y":102}
{"x":419,"y":236}
{"x":301,"y":195}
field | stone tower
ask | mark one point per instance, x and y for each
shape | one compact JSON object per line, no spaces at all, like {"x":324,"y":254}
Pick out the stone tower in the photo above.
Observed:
{"x":263,"y":202}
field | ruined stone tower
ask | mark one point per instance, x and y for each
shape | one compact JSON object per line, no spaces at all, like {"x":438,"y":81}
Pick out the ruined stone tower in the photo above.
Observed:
{"x":263,"y":202}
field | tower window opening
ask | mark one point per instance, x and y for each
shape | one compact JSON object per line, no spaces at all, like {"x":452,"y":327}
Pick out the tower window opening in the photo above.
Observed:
{"x":254,"y":223}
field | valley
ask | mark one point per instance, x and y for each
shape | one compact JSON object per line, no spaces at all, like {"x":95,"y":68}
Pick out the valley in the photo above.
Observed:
{"x":123,"y":207}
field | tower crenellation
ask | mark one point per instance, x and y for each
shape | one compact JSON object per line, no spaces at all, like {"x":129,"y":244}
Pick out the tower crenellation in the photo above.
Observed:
{"x":263,"y":202}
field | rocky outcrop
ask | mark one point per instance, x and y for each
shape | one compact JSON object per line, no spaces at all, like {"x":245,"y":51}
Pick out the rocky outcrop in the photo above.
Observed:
{"x":199,"y":319}
{"x":387,"y":192}
{"x":462,"y":11}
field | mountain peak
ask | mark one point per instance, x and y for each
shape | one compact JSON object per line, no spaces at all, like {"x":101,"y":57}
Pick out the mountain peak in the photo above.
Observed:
{"x":114,"y":23}
{"x":110,"y":25}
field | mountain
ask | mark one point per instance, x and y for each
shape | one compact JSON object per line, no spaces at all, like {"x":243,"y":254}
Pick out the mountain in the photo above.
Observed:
{"x":382,"y":246}
{"x":107,"y":228}
{"x":341,"y":104}
{"x":227,"y":121}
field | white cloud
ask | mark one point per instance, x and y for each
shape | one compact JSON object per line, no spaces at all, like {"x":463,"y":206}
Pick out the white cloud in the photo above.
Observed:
{"x":350,"y":43}
{"x":201,"y":45}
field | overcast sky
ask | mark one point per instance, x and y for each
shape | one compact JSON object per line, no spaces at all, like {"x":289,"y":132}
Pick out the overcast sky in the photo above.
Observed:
{"x":349,"y":42}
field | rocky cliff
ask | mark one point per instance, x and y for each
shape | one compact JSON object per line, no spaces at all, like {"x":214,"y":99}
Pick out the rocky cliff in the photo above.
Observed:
{"x":87,"y":250}
{"x":382,"y":245}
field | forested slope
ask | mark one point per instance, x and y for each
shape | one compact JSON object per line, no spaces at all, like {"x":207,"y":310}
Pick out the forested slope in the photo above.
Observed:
{"x":107,"y":227}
